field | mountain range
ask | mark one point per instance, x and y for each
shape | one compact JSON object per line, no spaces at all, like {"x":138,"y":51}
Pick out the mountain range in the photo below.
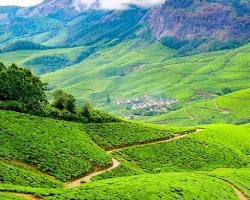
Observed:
{"x":190,"y":24}
{"x":133,"y":52}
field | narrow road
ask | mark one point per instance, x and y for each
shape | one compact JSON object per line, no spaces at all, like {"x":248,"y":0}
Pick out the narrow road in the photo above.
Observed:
{"x":116,"y":163}
{"x":189,"y":114}
{"x":76,"y":183}
{"x":27,"y":196}
{"x":240,"y":194}
{"x":220,"y":109}
{"x":178,"y":136}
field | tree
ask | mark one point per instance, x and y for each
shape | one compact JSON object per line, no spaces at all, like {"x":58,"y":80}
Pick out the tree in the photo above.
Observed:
{"x":87,"y":110}
{"x":2,"y":67}
{"x":226,"y":90}
{"x":19,"y":84}
{"x":63,"y":101}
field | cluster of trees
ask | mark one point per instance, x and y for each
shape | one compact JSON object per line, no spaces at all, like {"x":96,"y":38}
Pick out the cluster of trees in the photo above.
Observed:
{"x":24,"y":92}
{"x":20,"y":85}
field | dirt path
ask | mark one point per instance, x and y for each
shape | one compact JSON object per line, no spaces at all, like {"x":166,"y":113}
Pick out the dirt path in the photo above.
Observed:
{"x":189,"y":114}
{"x":220,"y":109}
{"x":116,"y":163}
{"x":240,"y":194}
{"x":178,"y":136}
{"x":27,"y":196}
{"x":76,"y":183}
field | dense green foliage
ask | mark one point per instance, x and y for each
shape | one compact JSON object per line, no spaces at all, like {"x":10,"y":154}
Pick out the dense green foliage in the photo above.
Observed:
{"x":39,"y":192}
{"x":10,"y":197}
{"x":161,"y":186}
{"x":10,"y":174}
{"x":113,"y":135}
{"x":215,"y":147}
{"x":238,"y":177}
{"x":230,"y":108}
{"x":23,"y":92}
{"x":187,"y":77}
{"x":63,"y":100}
{"x":19,"y":84}
{"x":58,"y":148}
{"x":46,"y":64}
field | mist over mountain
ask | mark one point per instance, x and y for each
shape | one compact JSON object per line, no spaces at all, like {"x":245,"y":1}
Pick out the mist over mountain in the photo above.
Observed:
{"x":190,"y":25}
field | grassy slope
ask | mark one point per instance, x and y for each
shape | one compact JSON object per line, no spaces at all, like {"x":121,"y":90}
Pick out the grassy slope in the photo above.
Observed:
{"x":217,"y":146}
{"x":58,"y":148}
{"x":4,"y":196}
{"x":159,"y":74}
{"x":162,"y":75}
{"x":10,"y":174}
{"x":230,"y":108}
{"x":22,"y":56}
{"x":160,"y":186}
{"x":238,"y":177}
{"x":113,"y":135}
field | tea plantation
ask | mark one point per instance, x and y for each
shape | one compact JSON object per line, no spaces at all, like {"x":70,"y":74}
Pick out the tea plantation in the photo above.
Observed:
{"x":17,"y":176}
{"x":10,"y":197}
{"x":215,"y":147}
{"x":114,"y":135}
{"x":239,"y":177}
{"x":159,"y":186}
{"x":37,"y":154}
{"x":58,"y":148}
{"x":231,"y":108}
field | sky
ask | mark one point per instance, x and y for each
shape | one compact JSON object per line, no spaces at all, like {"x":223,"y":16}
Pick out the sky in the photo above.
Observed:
{"x":105,"y":4}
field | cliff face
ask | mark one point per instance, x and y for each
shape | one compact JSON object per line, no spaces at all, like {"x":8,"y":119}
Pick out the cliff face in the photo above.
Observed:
{"x":218,"y":20}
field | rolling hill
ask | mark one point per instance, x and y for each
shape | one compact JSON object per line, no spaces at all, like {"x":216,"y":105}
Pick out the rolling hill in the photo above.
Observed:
{"x":180,"y":68}
{"x":57,"y":148}
{"x":230,"y":108}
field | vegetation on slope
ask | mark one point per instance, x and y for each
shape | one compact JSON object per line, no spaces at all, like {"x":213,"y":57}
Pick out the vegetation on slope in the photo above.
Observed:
{"x":45,"y":61}
{"x":215,"y":147}
{"x":100,"y":74}
{"x":58,"y":148}
{"x":10,"y":197}
{"x":160,"y":186}
{"x":238,"y":177}
{"x":229,"y":108}
{"x":114,"y":135}
{"x":24,"y":92}
{"x":10,"y":174}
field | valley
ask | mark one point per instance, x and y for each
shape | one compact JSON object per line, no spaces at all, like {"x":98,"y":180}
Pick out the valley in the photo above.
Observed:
{"x":124,"y":100}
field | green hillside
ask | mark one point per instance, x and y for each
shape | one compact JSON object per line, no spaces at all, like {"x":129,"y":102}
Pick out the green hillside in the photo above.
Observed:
{"x":239,"y":177}
{"x":112,"y":76}
{"x":160,"y":186}
{"x":58,"y":148}
{"x":43,"y":61}
{"x":10,"y":197}
{"x":230,"y":108}
{"x":17,"y":175}
{"x":117,"y":72}
{"x":217,"y":146}
{"x":115,"y":135}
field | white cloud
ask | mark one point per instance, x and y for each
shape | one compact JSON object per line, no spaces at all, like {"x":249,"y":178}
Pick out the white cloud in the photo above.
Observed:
{"x":120,"y":4}
{"x":23,"y":3}
{"x":104,"y":4}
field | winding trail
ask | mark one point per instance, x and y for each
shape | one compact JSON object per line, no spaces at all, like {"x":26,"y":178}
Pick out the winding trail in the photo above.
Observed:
{"x":163,"y":140}
{"x":240,"y":194}
{"x":116,"y":163}
{"x":220,"y":109}
{"x":27,"y":196}
{"x":87,"y":178}
{"x":189,"y":114}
